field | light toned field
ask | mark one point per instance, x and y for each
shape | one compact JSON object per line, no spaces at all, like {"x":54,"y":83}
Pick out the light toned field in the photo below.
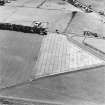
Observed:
{"x":60,"y":5}
{"x":84,"y":87}
{"x":56,"y":13}
{"x":28,"y":3}
{"x":88,"y":22}
{"x":93,"y":43}
{"x":81,"y":88}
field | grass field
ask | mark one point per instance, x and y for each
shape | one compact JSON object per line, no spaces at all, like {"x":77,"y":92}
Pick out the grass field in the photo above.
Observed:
{"x":18,"y":54}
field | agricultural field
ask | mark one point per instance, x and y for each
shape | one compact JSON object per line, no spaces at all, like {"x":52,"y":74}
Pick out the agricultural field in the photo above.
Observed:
{"x":18,"y":54}
{"x":23,"y":55}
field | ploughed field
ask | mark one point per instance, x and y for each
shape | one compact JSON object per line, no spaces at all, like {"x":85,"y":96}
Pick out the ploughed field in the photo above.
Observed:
{"x":97,"y":5}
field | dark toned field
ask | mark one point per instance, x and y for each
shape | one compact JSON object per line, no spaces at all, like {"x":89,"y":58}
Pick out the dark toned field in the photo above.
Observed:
{"x":97,"y":5}
{"x":18,"y":54}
